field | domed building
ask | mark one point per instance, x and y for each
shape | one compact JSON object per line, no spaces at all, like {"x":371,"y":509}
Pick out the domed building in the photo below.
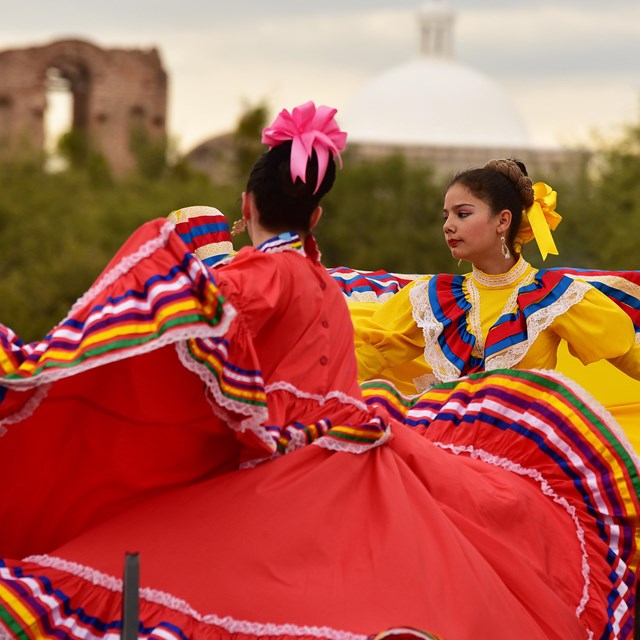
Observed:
{"x":431,"y":110}
{"x":436,"y":110}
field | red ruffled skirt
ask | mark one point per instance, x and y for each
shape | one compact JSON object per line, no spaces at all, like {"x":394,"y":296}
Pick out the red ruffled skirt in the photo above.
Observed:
{"x":502,"y":505}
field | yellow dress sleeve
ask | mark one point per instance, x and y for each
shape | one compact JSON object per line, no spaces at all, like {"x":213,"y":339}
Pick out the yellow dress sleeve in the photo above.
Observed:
{"x":386,"y":334}
{"x":629,"y":362}
{"x":597,"y":329}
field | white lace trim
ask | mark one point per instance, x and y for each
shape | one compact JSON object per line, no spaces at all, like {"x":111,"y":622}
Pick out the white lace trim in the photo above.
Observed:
{"x":617,"y":282}
{"x":340,"y":396}
{"x":503,"y":279}
{"x":169,"y":601}
{"x":27,"y":410}
{"x":547,"y":490}
{"x":613,"y":426}
{"x":407,"y":276}
{"x":444,"y":370}
{"x":537,"y":322}
{"x":256,"y":416}
{"x":475,"y":323}
{"x":327,"y":442}
{"x":424,"y":317}
{"x":120,"y":269}
{"x":162,"y":341}
{"x":125,"y":265}
{"x":368,"y":296}
{"x":221,"y":405}
{"x":45,"y":379}
{"x":474,"y":313}
{"x":214,"y":249}
{"x":424,"y":382}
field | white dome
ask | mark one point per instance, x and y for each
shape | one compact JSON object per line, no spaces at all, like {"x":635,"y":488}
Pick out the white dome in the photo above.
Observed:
{"x":432,"y":101}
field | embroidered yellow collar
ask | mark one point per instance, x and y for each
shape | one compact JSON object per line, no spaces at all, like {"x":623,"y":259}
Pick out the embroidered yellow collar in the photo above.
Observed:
{"x":501,"y":280}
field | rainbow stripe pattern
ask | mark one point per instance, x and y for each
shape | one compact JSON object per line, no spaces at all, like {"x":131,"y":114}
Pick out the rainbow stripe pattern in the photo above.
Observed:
{"x":623,"y":287}
{"x":32,"y":608}
{"x":205,"y":232}
{"x":155,"y":292}
{"x":369,"y":285}
{"x":450,"y":305}
{"x":540,"y":425}
{"x":361,"y":436}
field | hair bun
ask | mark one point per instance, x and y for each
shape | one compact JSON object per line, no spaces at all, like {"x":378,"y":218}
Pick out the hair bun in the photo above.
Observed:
{"x":517,"y":173}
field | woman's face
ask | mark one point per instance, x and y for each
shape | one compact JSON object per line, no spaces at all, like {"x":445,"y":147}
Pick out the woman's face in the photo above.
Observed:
{"x":470,"y":230}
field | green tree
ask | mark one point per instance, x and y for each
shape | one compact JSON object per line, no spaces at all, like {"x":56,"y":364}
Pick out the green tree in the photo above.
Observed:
{"x":151,"y":153}
{"x":384,"y":214}
{"x":600,"y":204}
{"x":59,"y":230}
{"x":75,"y":148}
{"x":615,"y":204}
{"x":247,"y":136}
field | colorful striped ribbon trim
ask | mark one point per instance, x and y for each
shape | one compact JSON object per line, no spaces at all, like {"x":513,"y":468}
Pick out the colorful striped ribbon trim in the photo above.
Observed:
{"x":541,"y":419}
{"x":160,"y":296}
{"x":378,"y":283}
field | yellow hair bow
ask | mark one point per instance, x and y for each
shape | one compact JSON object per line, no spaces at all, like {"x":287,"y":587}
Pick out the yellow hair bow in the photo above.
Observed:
{"x":539,"y":220}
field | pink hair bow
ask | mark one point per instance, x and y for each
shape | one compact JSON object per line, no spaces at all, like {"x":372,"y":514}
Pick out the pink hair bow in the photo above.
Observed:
{"x":309,"y":128}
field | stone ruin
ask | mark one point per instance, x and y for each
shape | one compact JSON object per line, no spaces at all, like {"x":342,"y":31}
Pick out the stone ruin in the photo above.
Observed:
{"x":114,"y":91}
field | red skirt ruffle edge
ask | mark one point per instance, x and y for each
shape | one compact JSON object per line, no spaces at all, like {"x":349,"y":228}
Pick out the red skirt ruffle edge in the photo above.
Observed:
{"x":502,"y":505}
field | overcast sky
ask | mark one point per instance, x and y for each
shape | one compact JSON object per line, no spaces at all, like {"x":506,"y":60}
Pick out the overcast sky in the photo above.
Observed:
{"x":571,"y":66}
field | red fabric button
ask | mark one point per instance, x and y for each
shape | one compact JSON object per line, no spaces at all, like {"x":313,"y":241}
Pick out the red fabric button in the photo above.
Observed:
{"x":324,"y":360}
{"x":325,"y":324}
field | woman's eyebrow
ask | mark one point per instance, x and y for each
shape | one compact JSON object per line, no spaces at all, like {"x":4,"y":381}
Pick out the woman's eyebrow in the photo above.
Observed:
{"x":460,"y":205}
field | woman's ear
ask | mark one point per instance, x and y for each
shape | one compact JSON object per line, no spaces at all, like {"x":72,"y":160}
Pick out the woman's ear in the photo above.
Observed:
{"x":504,"y":221}
{"x":315,"y":218}
{"x":246,"y":205}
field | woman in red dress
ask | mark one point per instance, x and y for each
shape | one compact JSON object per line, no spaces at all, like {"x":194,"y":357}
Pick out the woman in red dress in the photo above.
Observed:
{"x":211,"y":420}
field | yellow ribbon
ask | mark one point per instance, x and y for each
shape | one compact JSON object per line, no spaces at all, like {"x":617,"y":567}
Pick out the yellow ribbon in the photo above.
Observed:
{"x":539,"y":220}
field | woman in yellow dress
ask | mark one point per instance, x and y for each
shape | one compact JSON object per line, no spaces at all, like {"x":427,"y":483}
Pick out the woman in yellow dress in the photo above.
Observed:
{"x":504,"y":313}
{"x":487,"y":363}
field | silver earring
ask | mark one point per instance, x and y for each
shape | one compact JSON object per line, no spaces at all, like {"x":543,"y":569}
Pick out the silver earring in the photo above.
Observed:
{"x":460,"y":262}
{"x":505,"y":250}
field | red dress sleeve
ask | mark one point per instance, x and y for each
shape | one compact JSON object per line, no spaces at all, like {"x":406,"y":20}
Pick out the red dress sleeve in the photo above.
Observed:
{"x":254,"y":286}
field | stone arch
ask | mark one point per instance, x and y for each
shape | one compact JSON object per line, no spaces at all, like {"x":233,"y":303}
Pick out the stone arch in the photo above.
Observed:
{"x":77,"y":75}
{"x":107,"y":87}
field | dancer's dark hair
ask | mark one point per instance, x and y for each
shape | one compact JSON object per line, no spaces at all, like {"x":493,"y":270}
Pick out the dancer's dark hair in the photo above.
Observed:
{"x":502,"y":184}
{"x":285,"y":205}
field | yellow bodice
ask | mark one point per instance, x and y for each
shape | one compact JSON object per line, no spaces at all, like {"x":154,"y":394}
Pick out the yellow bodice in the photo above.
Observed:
{"x":390,"y":344}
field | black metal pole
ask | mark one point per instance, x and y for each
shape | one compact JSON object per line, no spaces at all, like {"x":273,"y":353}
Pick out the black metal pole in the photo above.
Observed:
{"x":130,"y":596}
